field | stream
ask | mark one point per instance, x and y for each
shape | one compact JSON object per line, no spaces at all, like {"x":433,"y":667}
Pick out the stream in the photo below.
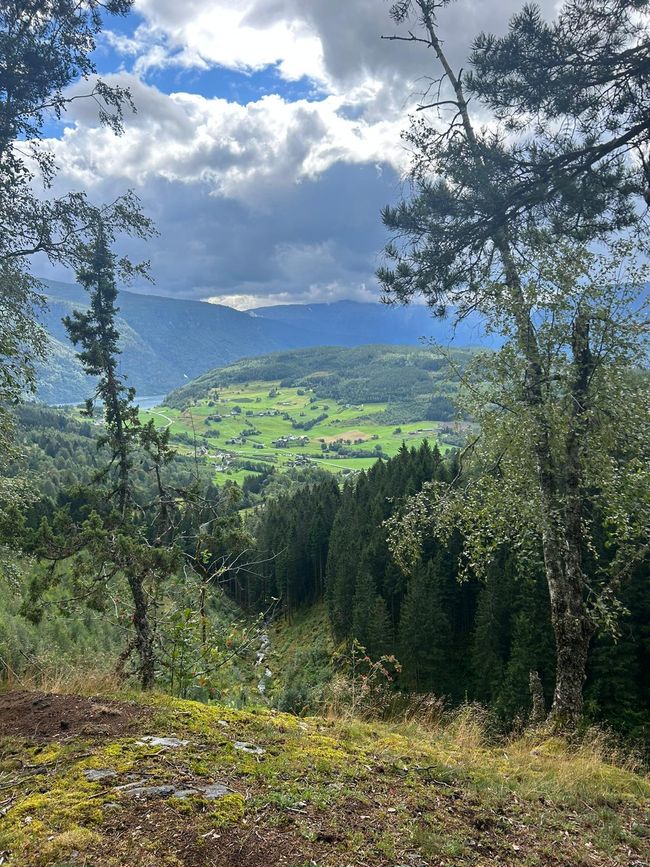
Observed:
{"x":260,"y":663}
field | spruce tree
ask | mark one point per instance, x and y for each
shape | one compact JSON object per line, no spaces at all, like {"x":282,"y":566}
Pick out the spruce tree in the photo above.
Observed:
{"x":115,"y":547}
{"x":425,"y":645}
{"x":95,"y":331}
{"x":371,"y":625}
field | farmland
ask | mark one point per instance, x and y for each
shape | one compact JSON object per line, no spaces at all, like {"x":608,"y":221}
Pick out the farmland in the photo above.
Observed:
{"x":247,"y":428}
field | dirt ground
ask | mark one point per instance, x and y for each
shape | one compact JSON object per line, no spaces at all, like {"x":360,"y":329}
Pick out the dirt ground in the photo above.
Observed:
{"x":40,"y":716}
{"x":317,"y":793}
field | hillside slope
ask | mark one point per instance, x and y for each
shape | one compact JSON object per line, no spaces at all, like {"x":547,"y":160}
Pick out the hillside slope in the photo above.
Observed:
{"x":362,"y":374}
{"x":166,"y":341}
{"x":160,"y":782}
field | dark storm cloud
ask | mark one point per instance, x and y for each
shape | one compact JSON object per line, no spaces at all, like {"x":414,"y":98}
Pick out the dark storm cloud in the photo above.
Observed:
{"x":276,"y":198}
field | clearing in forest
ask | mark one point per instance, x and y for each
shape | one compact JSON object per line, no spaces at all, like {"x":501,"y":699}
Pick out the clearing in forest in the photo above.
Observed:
{"x":171,"y":783}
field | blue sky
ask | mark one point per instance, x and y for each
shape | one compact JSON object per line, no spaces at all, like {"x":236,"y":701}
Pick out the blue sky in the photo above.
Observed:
{"x":237,"y":85}
{"x":266,"y":141}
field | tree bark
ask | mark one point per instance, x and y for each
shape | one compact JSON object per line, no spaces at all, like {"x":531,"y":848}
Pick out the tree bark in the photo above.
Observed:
{"x":573,"y":631}
{"x":143,"y":635}
{"x":538,"y":711}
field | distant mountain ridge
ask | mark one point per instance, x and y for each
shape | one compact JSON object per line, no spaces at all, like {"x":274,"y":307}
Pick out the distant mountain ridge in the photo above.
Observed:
{"x":353,"y":323}
{"x":167,"y":341}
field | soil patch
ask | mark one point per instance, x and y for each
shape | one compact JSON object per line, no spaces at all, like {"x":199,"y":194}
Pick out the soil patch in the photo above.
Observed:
{"x":46,"y":716}
{"x":348,"y":435}
{"x":157,"y":833}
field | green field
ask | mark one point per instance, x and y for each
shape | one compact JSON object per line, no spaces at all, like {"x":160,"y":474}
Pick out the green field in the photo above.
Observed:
{"x":241,"y":425}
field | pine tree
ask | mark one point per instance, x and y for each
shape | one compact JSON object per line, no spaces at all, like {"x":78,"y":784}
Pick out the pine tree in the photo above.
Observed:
{"x":95,"y":331}
{"x":425,"y":645}
{"x":371,"y":625}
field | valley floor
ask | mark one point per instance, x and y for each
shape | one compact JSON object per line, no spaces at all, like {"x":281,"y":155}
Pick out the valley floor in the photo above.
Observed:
{"x":158,"y":781}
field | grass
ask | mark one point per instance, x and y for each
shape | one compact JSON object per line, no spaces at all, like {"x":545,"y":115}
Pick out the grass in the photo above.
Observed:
{"x":300,"y":657}
{"x":257,"y":399}
{"x":325,"y":791}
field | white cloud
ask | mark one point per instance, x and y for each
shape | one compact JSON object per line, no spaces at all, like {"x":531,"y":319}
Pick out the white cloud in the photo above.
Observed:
{"x":319,"y":293}
{"x":335,"y":42}
{"x":229,"y":33}
{"x":277,"y":200}
{"x":236,"y":151}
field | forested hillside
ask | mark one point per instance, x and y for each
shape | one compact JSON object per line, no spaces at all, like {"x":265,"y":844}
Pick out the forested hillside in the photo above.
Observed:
{"x":417,"y":383}
{"x":462,"y":639}
{"x":166,"y":342}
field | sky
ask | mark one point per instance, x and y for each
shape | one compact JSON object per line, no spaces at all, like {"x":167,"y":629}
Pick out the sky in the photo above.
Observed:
{"x":266,"y":141}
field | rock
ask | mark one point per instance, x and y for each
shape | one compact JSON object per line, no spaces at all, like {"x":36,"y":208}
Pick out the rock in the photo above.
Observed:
{"x":94,"y":775}
{"x":211,"y":792}
{"x":172,"y":743}
{"x":249,"y":748}
{"x":150,"y":791}
{"x":185,"y":793}
{"x":215,"y":790}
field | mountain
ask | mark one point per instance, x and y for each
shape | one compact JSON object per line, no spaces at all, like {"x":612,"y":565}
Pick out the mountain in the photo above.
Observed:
{"x":351,"y":323}
{"x":166,"y":341}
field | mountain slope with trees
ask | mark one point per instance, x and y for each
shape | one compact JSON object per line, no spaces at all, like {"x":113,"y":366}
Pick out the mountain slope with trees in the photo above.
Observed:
{"x":165,"y":341}
{"x":474,"y":639}
{"x":416,"y":382}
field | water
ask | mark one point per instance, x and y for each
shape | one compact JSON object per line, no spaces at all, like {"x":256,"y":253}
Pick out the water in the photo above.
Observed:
{"x":149,"y":402}
{"x":146,"y":402}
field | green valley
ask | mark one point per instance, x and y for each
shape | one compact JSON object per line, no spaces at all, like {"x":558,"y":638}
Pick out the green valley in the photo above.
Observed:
{"x":289,"y":576}
{"x":316,"y":407}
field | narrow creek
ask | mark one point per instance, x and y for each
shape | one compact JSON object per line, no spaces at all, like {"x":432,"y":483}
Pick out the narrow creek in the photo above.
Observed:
{"x":261,"y":663}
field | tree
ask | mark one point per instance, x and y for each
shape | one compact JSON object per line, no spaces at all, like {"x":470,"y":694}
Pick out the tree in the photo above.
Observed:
{"x":425,"y":634}
{"x":96,"y":332}
{"x":46,"y":47}
{"x":370,"y":622}
{"x":112,"y":544}
{"x":571,"y":334}
{"x":586,"y":73}
{"x":22,"y":342}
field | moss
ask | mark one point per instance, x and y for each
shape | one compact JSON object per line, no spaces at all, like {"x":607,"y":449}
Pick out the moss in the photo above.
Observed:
{"x":60,"y":806}
{"x":46,"y":755}
{"x":317,"y":768}
{"x":67,"y":843}
{"x":185,"y":805}
{"x":228,"y":810}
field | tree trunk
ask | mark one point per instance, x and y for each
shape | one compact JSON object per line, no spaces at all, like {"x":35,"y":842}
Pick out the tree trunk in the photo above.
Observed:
{"x":203,"y":613}
{"x":538,"y":710}
{"x":143,"y":636}
{"x":573,"y":630}
{"x":572,"y":624}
